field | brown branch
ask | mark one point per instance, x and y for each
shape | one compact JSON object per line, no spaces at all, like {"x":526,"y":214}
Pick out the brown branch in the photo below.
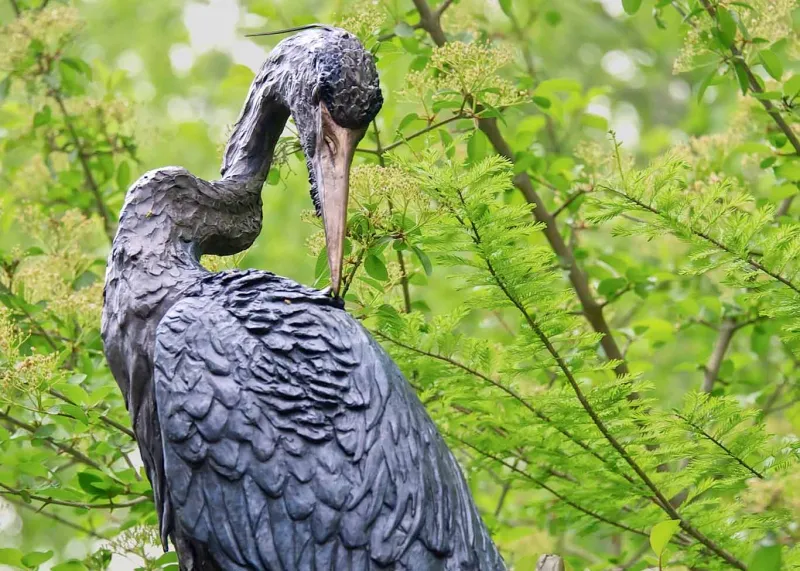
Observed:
{"x":15,"y":7}
{"x":570,"y":200}
{"x":724,"y":337}
{"x":771,"y":110}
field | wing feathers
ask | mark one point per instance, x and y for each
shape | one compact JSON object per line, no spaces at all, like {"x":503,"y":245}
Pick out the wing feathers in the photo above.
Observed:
{"x":293,"y":442}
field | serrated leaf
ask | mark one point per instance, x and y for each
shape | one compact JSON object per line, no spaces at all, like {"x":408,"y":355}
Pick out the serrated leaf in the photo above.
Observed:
{"x":631,"y":6}
{"x":662,"y":533}
{"x":376,"y":268}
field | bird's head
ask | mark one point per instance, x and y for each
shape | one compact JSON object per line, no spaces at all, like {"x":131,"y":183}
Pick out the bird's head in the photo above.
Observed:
{"x":327,"y":81}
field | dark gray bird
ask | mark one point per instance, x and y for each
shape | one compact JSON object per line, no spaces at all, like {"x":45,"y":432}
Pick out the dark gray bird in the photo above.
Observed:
{"x":277,"y":434}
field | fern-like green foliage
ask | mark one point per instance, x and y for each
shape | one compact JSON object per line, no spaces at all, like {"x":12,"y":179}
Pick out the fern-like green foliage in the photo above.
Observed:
{"x":545,"y":410}
{"x":727,"y":229}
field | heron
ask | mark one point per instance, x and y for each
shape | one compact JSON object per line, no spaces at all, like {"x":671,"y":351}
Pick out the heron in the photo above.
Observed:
{"x":276,"y":433}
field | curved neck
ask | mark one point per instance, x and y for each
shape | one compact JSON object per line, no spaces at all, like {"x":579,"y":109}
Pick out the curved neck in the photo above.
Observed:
{"x":249,"y":152}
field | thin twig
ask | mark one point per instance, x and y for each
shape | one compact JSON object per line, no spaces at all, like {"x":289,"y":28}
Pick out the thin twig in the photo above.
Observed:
{"x":724,"y":337}
{"x":56,"y":502}
{"x":103,"y":418}
{"x":544,"y":486}
{"x":721,"y":446}
{"x":102,"y":210}
{"x":66,"y":449}
{"x":708,"y":238}
{"x":54,"y":517}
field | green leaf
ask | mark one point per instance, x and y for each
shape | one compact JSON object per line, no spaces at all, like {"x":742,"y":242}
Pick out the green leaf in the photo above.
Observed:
{"x":36,"y":558}
{"x":123,"y":175}
{"x":273,"y":177}
{"x":72,"y":565}
{"x":87,"y":481}
{"x":11,"y":557}
{"x":741,"y":76}
{"x":5,"y":87}
{"x":631,"y":6}
{"x":789,"y":170}
{"x":595,"y":121}
{"x":727,"y":26}
{"x":505,"y":5}
{"x":477,"y":146}
{"x":542,"y":102}
{"x":407,"y":120}
{"x":75,"y":412}
{"x":766,"y":558}
{"x":771,"y":63}
{"x":376,"y":268}
{"x":792,"y":86}
{"x":424,"y":260}
{"x":321,"y":266}
{"x":662,"y":533}
{"x":609,"y":286}
{"x":43,"y":116}
{"x":404,"y":30}
{"x":169,"y":557}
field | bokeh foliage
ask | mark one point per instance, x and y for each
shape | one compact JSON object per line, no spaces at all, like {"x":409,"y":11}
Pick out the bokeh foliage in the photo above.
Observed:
{"x":603,"y":325}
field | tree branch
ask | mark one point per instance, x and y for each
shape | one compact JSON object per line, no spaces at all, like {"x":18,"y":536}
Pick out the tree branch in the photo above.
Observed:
{"x":102,"y":210}
{"x":77,"y":454}
{"x":663,"y":502}
{"x":54,"y":517}
{"x":724,"y":337}
{"x":771,"y":110}
{"x":56,"y":502}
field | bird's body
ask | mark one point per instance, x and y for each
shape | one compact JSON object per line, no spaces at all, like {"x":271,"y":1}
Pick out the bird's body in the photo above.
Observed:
{"x":277,"y":434}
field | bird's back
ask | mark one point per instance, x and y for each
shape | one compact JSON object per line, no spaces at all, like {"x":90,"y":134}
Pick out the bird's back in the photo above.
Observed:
{"x":292,"y":441}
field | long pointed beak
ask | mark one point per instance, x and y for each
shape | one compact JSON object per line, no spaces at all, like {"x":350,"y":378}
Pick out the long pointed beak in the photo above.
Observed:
{"x":334,"y":153}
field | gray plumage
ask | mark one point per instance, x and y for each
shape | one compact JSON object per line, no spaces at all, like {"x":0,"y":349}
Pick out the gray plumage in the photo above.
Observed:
{"x":276,"y":433}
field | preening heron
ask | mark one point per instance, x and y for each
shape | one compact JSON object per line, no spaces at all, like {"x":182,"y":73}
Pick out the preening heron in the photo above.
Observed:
{"x":276,"y":433}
